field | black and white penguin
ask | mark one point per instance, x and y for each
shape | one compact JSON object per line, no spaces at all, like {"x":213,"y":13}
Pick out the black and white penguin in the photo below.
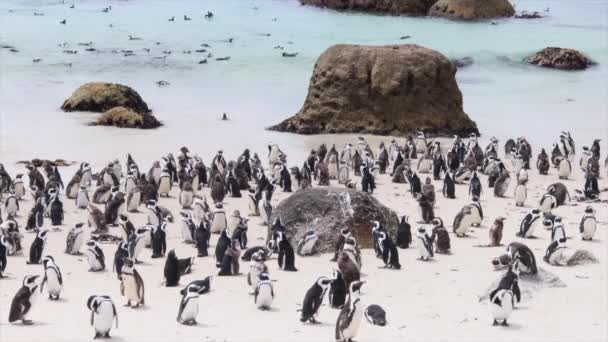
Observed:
{"x":82,"y":198}
{"x":368,"y":184}
{"x":103,"y":314}
{"x":11,"y":205}
{"x":154,"y":215}
{"x":18,"y":186}
{"x":223,"y":243}
{"x":390,"y":253}
{"x":219,"y":222}
{"x":404,"y":233}
{"x":52,"y":278}
{"x":307,"y":243}
{"x":38,"y":248}
{"x":102,"y":194}
{"x":201,"y":238}
{"x":555,"y":253}
{"x":126,"y":227}
{"x":134,"y":199}
{"x":188,"y":227}
{"x":286,"y":259}
{"x":131,"y":284}
{"x":264,"y":292}
{"x":502,"y":184}
{"x":560,"y":192}
{"x":96,"y":219}
{"x":35,"y":219}
{"x":564,"y":168}
{"x":475,"y":187}
{"x":265,"y":251}
{"x":510,"y":281}
{"x":122,"y":253}
{"x":233,"y":187}
{"x":230,"y":261}
{"x":337,"y":291}
{"x":557,"y":228}
{"x":75,"y":239}
{"x":313,"y":300}
{"x":415,"y":185}
{"x":501,"y":302}
{"x":24,"y":300}
{"x":588,"y":224}
{"x":265,"y":208}
{"x":95,"y":256}
{"x":463,"y":221}
{"x":440,"y":236}
{"x":517,"y":250}
{"x":165,"y":183}
{"x":449,"y":189}
{"x":171,"y":270}
{"x":159,"y":240}
{"x":138,"y":241}
{"x":476,"y":212}
{"x":114,"y":207}
{"x":530,"y":222}
{"x":375,"y":315}
{"x":6,"y":246}
{"x":348,"y":262}
{"x":186,"y":195}
{"x":347,"y":325}
{"x":188,"y":307}
{"x":426,"y":209}
{"x":257,"y":267}
{"x":425,"y":244}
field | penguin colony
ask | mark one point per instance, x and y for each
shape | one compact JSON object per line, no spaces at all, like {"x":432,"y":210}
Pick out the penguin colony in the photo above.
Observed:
{"x":121,"y":190}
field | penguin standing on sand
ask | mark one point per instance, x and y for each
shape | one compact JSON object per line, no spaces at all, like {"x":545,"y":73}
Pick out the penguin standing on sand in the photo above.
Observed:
{"x":463,"y":221}
{"x":426,"y":209}
{"x":501,"y":302}
{"x":256,"y":268}
{"x":122,"y":253}
{"x":186,"y":195}
{"x":441,"y":237}
{"x":95,"y":256}
{"x":564,"y":168}
{"x":496,"y":231}
{"x":502,"y":184}
{"x":103,"y":314}
{"x":425,"y":244}
{"x":475,"y":187}
{"x":35,"y":219}
{"x":449,"y":189}
{"x":11,"y":205}
{"x":347,"y":325}
{"x":131,"y":284}
{"x":18,"y":186}
{"x":24,"y":300}
{"x":96,"y":219}
{"x":476,"y":211}
{"x":218,"y":191}
{"x":527,"y":261}
{"x":223,"y":243}
{"x":390,"y":253}
{"x":82,"y":198}
{"x":286,"y":259}
{"x":75,"y":239}
{"x":201,"y":238}
{"x":542,"y":162}
{"x":38,"y":248}
{"x":159,"y":240}
{"x":404,"y":233}
{"x":337,"y":291}
{"x":348,"y":264}
{"x":530,"y":222}
{"x":264,"y":292}
{"x":510,"y":280}
{"x":5,"y":247}
{"x":171,"y":270}
{"x":306,"y":244}
{"x":138,"y":241}
{"x":588,"y":224}
{"x":188,"y":306}
{"x":52,"y":277}
{"x":218,"y":219}
{"x":557,"y":228}
{"x":313,"y":300}
{"x":230,"y":261}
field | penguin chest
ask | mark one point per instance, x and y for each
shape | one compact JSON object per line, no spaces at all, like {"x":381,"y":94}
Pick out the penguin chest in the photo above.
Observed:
{"x":263,"y":211}
{"x":11,"y":206}
{"x":532,"y":228}
{"x":218,"y":224}
{"x":589,"y":227}
{"x":165,"y":185}
{"x":422,"y":248}
{"x":475,"y":216}
{"x":503,"y":311}
{"x":564,"y":169}
{"x":190,"y":310}
{"x":186,"y":198}
{"x":233,"y":223}
{"x":107,"y":179}
{"x":424,"y":166}
{"x":156,"y":174}
{"x":153,"y":219}
{"x":134,"y":201}
{"x":186,"y":234}
{"x":333,"y":171}
{"x":129,"y":185}
{"x":52,"y":280}
{"x":558,"y":257}
{"x":130,"y":287}
{"x":72,"y":191}
{"x":559,"y":233}
{"x":78,"y":242}
{"x":353,"y":326}
{"x":465,"y":224}
{"x":19,"y":190}
{"x":139,"y":246}
{"x":520,"y":194}
{"x":93,"y":261}
{"x":253,"y":210}
{"x":82,"y":200}
{"x":307,"y":246}
{"x":264,"y":297}
{"x":103,"y":318}
{"x":86,"y":179}
{"x":254,"y":272}
{"x":343,"y":176}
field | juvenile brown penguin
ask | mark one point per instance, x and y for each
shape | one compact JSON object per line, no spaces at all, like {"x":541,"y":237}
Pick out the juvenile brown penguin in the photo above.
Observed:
{"x":496,"y":231}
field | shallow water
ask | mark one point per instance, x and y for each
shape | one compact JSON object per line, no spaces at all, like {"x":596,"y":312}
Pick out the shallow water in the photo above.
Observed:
{"x":257,"y":87}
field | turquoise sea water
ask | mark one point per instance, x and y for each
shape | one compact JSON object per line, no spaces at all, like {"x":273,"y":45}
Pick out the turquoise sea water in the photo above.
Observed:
{"x":257,"y":87}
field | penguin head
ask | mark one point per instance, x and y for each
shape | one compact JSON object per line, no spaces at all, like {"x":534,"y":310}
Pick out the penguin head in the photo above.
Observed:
{"x":561,"y":242}
{"x":535,"y":211}
{"x":548,"y":223}
{"x":151,"y":204}
{"x":29,"y":281}
{"x":127,"y":263}
{"x":475,"y":199}
{"x":79,"y":225}
{"x":375,"y":225}
{"x":355,"y":286}
{"x":48,"y":260}
{"x":404,"y":219}
{"x":345,"y":232}
{"x":264,"y":277}
{"x":421,"y":230}
{"x":123,"y":218}
{"x":558,"y":219}
{"x":324,"y":282}
{"x":91,"y":244}
{"x":589,"y":210}
{"x":437,"y":222}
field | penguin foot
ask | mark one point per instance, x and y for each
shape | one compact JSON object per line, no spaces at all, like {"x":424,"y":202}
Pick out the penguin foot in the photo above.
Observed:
{"x":27,"y":322}
{"x":494,"y":323}
{"x":107,"y":335}
{"x":97,"y":335}
{"x":128,"y":305}
{"x":504,"y":323}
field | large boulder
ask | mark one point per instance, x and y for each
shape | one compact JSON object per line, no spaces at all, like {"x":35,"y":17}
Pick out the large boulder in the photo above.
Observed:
{"x":559,"y":58}
{"x":100,"y":97}
{"x":472,"y":9}
{"x":127,"y":118}
{"x":393,"y":89}
{"x":395,"y":7}
{"x":334,"y":209}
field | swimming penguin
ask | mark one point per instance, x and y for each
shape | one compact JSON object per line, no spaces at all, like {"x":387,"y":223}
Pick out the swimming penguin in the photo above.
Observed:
{"x":347,"y":325}
{"x":501,"y":302}
{"x":131,"y":284}
{"x":375,"y":315}
{"x":517,"y":250}
{"x":38,"y":248}
{"x":529,"y":223}
{"x":95,"y":256}
{"x":159,"y":240}
{"x":476,"y":212}
{"x":11,"y":205}
{"x":425,"y":244}
{"x":230,"y":261}
{"x":264,"y":292}
{"x":52,"y":277}
{"x":223,"y":243}
{"x":188,"y":307}
{"x":449,"y":189}
{"x":426,"y":209}
{"x":218,"y":219}
{"x":307,"y":243}
{"x":6,"y":246}
{"x":496,"y":231}
{"x":564,"y":169}
{"x":75,"y":239}
{"x":171,"y":270}
{"x":588,"y":224}
{"x":82,"y":198}
{"x":404,"y":233}
{"x":313,"y":300}
{"x":502,"y":184}
{"x":462,"y":221}
{"x":286,"y":259}
{"x":337,"y":291}
{"x":390,"y":253}
{"x":103,"y":314}
{"x":440,"y":236}
{"x":24,"y":300}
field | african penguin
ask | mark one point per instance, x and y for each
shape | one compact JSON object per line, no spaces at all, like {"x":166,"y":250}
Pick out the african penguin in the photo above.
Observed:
{"x":103,"y":314}
{"x":313,"y":300}
{"x":95,"y":256}
{"x":425,"y":244}
{"x":24,"y":300}
{"x":38,"y":248}
{"x":264,"y":292}
{"x":131,"y":284}
{"x":52,"y":278}
{"x":347,"y":325}
{"x":588,"y":224}
{"x":75,"y":239}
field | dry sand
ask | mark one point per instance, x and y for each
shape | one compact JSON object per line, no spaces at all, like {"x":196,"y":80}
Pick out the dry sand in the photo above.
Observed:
{"x":436,"y":300}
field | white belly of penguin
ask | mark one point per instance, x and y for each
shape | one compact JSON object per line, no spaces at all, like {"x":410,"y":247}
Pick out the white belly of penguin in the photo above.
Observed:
{"x":72,"y":191}
{"x":425,"y":166}
{"x":93,"y":262}
{"x":186,"y":235}
{"x":264,"y":298}
{"x":156,"y":175}
{"x":129,"y":185}
{"x":560,"y":233}
{"x":107,"y":179}
{"x":190,"y":310}
{"x":139,"y":245}
{"x":254,"y":272}
{"x":86,"y":179}
{"x":353,"y":327}
{"x":82,"y":201}
{"x":307,"y":247}
{"x":503,"y":312}
{"x":52,"y":282}
{"x":520,"y":194}
{"x":465,"y":224}
{"x":424,"y":253}
{"x":78,"y":242}
{"x":564,"y":169}
{"x":475,"y":215}
{"x":133,"y":204}
{"x":11,"y":207}
{"x":186,"y":199}
{"x":533,"y":226}
{"x":252,"y":207}
{"x":558,"y":257}
{"x":218,"y":224}
{"x":165,"y":186}
{"x":589,"y":227}
{"x":104,"y":317}
{"x":19,"y":190}
{"x":130,"y":287}
{"x":263,"y":212}
{"x":333,"y":171}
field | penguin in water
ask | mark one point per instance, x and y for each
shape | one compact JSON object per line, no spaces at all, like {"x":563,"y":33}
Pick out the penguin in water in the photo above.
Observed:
{"x":349,"y":319}
{"x":307,"y":243}
{"x":188,"y":307}
{"x":588,"y":224}
{"x":439,"y":234}
{"x":131,"y":284}
{"x":95,"y":256}
{"x":103,"y":314}
{"x":529,"y":223}
{"x":390,"y":253}
{"x":82,"y":198}
{"x":75,"y":239}
{"x":313,"y":300}
{"x":337,"y":291}
{"x":38,"y":248}
{"x":159,"y":240}
{"x":404,"y":233}
{"x":496,"y":232}
{"x":24,"y":300}
{"x":52,"y":277}
{"x":171,"y":271}
{"x":264,"y":293}
{"x":286,"y":259}
{"x":449,"y":189}
{"x":425,"y":244}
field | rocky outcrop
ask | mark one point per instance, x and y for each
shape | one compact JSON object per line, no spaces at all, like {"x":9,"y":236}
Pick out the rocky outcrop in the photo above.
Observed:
{"x":472,"y":9}
{"x":100,"y":97}
{"x":127,"y":118}
{"x":393,"y":89}
{"x":395,"y":7}
{"x":334,"y":209}
{"x":560,"y":58}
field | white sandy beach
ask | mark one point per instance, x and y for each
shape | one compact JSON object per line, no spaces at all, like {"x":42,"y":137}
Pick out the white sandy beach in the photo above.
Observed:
{"x":436,"y":300}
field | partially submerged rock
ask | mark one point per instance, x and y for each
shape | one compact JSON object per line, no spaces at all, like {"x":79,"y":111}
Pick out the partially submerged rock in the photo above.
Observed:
{"x":528,"y":15}
{"x":462,"y":62}
{"x":127,"y":118}
{"x":395,"y":7}
{"x":393,"y":89}
{"x":560,"y":58}
{"x":332,"y":209}
{"x":101,"y":96}
{"x":472,"y":9}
